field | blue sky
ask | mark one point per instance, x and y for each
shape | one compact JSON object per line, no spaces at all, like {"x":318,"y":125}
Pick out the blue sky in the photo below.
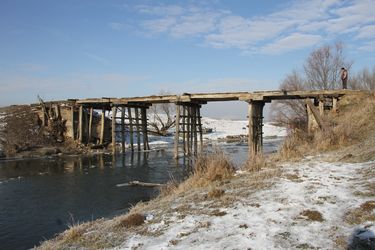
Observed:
{"x":91,"y":48}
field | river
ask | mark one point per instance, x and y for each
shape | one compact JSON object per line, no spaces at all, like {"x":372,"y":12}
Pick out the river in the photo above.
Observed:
{"x":42,"y":197}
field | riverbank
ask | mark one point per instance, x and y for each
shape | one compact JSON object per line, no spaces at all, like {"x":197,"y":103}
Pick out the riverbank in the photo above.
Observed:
{"x":285,"y":204}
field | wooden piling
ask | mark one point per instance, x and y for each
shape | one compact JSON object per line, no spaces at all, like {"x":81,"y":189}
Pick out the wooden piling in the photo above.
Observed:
{"x":195,"y":148}
{"x":255,"y":139}
{"x":138,"y":128}
{"x":102,"y":127}
{"x":184,"y":129}
{"x":80,"y":124}
{"x":113,"y":129}
{"x":131,"y":128}
{"x":334,"y":104}
{"x":73,"y":131}
{"x":90,"y":124}
{"x":123,"y":129}
{"x":177,"y":133}
{"x":144,"y":128}
{"x":200,"y":128}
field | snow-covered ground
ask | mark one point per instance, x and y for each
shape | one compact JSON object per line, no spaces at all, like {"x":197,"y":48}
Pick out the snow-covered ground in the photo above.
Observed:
{"x":223,"y":128}
{"x":273,"y":218}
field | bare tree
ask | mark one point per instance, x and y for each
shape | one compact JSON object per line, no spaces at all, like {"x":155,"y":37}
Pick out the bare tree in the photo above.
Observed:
{"x":364,"y":79}
{"x":322,"y":67}
{"x":162,"y":117}
{"x":290,"y":112}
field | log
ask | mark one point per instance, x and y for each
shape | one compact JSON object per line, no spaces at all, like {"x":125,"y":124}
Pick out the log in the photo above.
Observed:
{"x":139,"y":183}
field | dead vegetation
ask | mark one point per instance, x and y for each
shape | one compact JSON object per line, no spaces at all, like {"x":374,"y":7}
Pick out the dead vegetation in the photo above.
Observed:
{"x":132,"y":220}
{"x":361,"y":214}
{"x":312,"y":215}
{"x":352,"y":125}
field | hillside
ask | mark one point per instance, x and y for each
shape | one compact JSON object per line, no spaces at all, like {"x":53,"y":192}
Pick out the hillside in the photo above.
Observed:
{"x":318,"y":192}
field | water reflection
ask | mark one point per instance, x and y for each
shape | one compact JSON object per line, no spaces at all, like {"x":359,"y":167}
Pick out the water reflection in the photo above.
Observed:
{"x":41,"y":197}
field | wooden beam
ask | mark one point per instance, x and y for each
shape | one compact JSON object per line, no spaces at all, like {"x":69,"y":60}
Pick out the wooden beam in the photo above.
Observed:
{"x":200,"y":128}
{"x":144,"y":129}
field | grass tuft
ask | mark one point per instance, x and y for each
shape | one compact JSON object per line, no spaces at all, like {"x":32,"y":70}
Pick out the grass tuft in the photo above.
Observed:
{"x":132,"y":220}
{"x":215,"y":193}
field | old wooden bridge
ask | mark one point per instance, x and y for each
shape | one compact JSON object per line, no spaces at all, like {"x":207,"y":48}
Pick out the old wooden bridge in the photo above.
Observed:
{"x":132,"y":112}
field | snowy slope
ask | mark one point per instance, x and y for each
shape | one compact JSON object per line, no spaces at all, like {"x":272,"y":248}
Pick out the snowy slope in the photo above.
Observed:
{"x":272,"y":218}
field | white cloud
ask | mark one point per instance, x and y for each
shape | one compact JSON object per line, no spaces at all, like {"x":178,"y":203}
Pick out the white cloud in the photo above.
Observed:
{"x":366,"y":32}
{"x":292,"y":42}
{"x":368,"y":47}
{"x":304,"y":23}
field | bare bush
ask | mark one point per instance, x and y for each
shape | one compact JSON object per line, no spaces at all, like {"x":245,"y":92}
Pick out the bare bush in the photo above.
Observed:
{"x":162,"y":117}
{"x":364,"y":79}
{"x":291,"y":112}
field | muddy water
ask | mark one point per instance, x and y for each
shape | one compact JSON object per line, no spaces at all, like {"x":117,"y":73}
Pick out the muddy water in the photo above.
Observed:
{"x":42,"y":197}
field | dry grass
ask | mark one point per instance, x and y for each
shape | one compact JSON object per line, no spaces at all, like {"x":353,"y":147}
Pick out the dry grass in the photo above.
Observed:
{"x":132,"y":220}
{"x":312,"y":215}
{"x":215,"y":193}
{"x":354,"y":123}
{"x":361,"y":214}
{"x":255,"y":163}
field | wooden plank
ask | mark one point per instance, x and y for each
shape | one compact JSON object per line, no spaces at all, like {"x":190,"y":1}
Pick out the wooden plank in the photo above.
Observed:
{"x":195,"y":130}
{"x":177,"y":133}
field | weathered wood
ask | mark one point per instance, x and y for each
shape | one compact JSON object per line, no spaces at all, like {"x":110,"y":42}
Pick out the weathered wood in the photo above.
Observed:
{"x":113,"y":129}
{"x":123,"y":129}
{"x":102,"y":127}
{"x":312,"y":124}
{"x":334,"y":104}
{"x":131,"y":134}
{"x":316,"y":114}
{"x":177,"y":131}
{"x":321,"y":107}
{"x":200,"y":128}
{"x":140,"y":183}
{"x":184,"y":129}
{"x":195,"y":130}
{"x":90,"y":124}
{"x":138,"y":128}
{"x":80,"y":124}
{"x":188,"y":130}
{"x":144,"y":129}
{"x":255,"y":139}
{"x":73,"y":131}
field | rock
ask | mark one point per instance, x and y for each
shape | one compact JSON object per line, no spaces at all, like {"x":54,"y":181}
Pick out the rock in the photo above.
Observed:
{"x":2,"y":154}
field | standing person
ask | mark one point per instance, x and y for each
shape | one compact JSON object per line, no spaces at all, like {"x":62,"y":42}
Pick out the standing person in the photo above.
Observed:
{"x":344,"y":78}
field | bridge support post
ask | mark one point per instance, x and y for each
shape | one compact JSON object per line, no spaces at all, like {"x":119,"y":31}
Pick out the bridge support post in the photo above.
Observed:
{"x":189,"y":125}
{"x":255,"y":139}
{"x":113,"y":129}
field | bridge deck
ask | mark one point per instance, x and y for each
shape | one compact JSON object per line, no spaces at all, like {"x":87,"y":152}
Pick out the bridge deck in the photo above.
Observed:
{"x":265,"y":96}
